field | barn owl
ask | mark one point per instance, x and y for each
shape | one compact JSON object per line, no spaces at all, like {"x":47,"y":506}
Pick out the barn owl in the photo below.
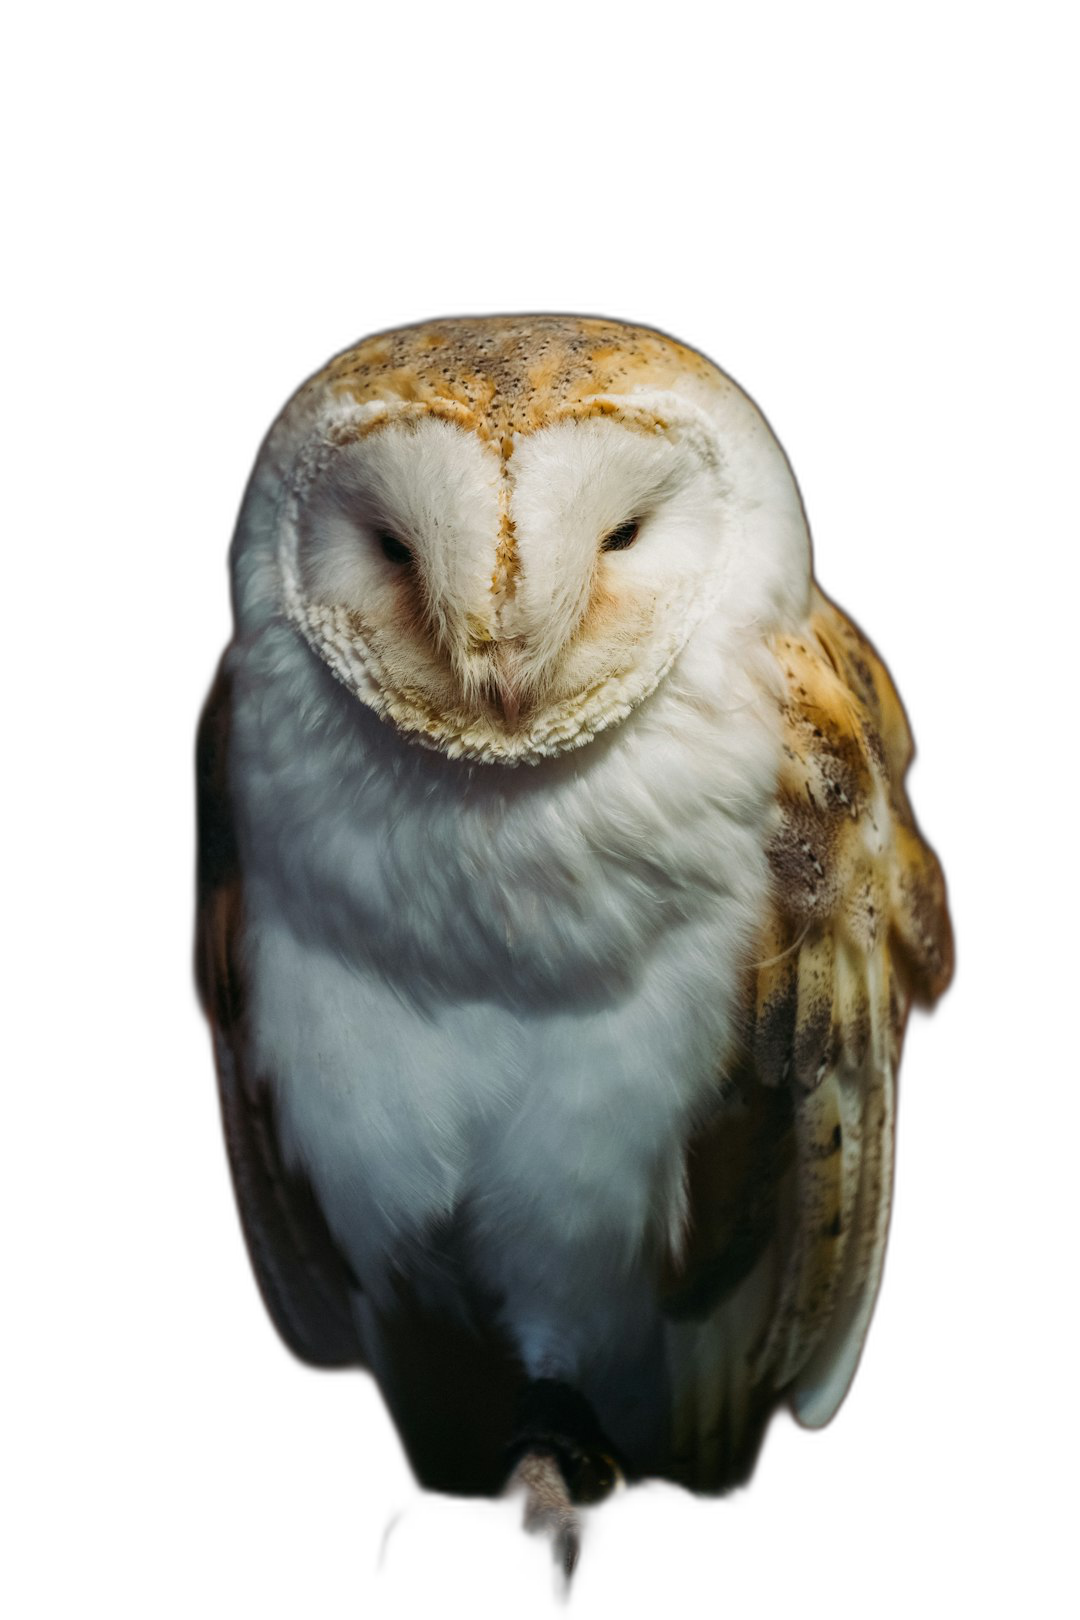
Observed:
{"x":560,"y":910}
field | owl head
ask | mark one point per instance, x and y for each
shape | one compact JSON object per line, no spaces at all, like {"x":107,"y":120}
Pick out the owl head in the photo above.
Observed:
{"x":501,"y":533}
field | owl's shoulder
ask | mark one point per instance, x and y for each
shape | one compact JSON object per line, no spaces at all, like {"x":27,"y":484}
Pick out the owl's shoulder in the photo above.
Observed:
{"x":847,"y":853}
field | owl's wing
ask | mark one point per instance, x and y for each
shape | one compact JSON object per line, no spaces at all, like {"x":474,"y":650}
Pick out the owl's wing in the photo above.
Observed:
{"x":303,"y":1277}
{"x":790,"y":1184}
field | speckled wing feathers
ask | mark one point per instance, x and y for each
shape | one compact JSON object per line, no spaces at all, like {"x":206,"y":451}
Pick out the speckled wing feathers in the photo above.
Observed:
{"x":789,"y":1197}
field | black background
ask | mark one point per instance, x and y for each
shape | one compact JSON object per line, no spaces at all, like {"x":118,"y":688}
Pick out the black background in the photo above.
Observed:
{"x":858,"y":349}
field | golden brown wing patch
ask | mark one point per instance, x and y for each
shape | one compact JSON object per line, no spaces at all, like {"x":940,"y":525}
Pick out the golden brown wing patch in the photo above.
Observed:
{"x":852,"y":874}
{"x":789,"y":1200}
{"x":859,"y":929}
{"x":847,"y":856}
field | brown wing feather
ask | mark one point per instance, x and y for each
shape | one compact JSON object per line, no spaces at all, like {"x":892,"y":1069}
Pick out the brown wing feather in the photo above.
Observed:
{"x":858,"y":929}
{"x":303,"y":1278}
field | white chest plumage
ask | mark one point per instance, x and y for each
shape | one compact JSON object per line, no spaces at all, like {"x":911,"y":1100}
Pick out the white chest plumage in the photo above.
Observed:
{"x":502,"y":994}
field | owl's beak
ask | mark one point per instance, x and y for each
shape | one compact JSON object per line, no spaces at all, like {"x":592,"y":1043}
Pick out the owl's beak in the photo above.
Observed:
{"x":505,"y":683}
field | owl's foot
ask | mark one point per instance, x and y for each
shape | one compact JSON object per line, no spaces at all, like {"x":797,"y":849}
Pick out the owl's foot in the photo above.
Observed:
{"x":563,"y":1458}
{"x":549,"y":1507}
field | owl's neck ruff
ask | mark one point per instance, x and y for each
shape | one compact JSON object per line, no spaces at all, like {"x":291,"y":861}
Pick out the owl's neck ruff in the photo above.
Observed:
{"x":332,"y":634}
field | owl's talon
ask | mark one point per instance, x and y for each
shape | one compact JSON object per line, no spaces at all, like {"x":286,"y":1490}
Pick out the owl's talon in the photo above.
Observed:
{"x":568,"y":1547}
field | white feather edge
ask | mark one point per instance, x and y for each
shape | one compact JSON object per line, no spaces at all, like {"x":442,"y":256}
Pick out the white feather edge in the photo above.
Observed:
{"x":822,"y":1384}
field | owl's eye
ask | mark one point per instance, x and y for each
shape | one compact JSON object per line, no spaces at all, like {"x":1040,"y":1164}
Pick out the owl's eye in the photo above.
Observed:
{"x":393,"y":549}
{"x":622,"y":537}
